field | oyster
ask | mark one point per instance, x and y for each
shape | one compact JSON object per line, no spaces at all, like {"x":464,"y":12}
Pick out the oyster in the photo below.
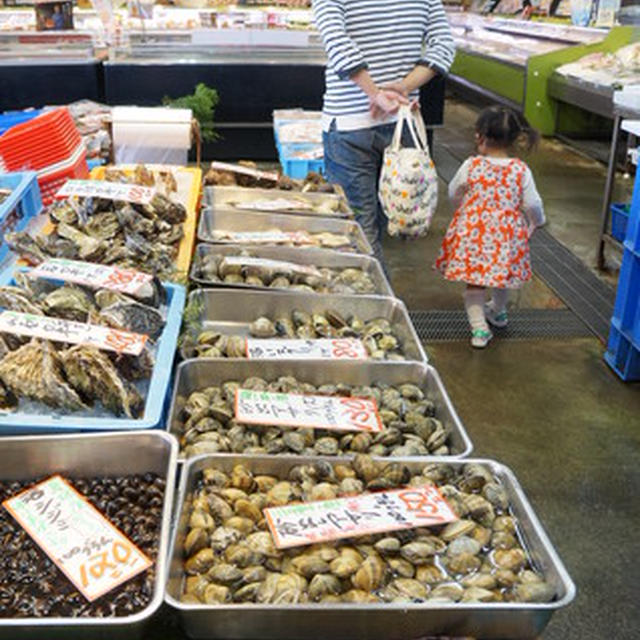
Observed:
{"x":34,"y":371}
{"x":68,"y":302}
{"x":91,"y":371}
{"x":16,"y":299}
{"x":135,"y":317}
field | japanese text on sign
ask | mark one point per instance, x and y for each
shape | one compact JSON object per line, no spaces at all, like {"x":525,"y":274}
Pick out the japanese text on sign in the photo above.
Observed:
{"x":324,"y":349}
{"x":85,"y":546}
{"x":262,"y":237}
{"x":59,"y":330}
{"x":98,"y":276}
{"x":275,"y":265}
{"x":310,"y":411}
{"x":299,"y":524}
{"x":107,"y":190}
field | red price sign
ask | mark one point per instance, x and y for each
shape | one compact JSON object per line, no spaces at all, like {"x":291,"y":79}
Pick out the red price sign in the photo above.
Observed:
{"x":119,"y":278}
{"x":122,"y":341}
{"x":425,"y":502}
{"x":348,"y":349}
{"x":361,"y":413}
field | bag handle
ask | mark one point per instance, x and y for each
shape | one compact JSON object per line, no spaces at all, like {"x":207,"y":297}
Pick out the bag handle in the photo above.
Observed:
{"x":416,"y":127}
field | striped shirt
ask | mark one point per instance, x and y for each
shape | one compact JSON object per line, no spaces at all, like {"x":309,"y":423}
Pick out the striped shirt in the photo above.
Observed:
{"x":386,"y":37}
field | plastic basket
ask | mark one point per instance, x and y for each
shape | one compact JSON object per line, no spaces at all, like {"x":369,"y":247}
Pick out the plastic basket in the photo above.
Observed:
{"x":622,"y":355}
{"x":619,"y":221}
{"x":10,"y":119}
{"x":51,"y":179}
{"x":48,"y":139}
{"x":298,"y":168}
{"x":626,"y":311}
{"x":156,"y":397}
{"x":22,"y":204}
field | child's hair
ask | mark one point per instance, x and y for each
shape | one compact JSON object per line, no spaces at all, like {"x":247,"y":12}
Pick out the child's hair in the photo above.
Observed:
{"x":503,"y":128}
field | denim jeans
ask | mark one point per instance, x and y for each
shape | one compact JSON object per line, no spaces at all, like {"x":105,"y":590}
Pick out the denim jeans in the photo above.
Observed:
{"x":353,"y":160}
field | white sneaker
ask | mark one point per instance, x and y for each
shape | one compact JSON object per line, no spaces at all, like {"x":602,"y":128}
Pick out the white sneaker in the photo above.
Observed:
{"x":480,"y":338}
{"x":499,"y":320}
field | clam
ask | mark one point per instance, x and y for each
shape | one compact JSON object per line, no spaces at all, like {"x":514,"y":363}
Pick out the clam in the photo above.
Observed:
{"x":262,"y":328}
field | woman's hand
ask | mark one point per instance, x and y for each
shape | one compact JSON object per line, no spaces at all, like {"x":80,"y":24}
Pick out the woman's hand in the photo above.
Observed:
{"x":386,"y":102}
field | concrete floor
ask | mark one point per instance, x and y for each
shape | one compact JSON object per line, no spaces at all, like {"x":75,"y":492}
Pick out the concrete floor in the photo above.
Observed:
{"x":551,"y":410}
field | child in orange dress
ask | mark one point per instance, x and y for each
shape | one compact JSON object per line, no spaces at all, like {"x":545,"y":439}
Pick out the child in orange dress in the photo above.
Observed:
{"x":498,"y":208}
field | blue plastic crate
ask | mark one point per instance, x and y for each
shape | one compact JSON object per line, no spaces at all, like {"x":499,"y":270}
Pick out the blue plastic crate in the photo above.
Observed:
{"x":156,"y":401}
{"x":9,"y":119}
{"x":619,"y":221}
{"x":626,"y":311}
{"x":622,"y":355}
{"x":298,"y":168}
{"x":23,"y":204}
{"x":92,"y":163}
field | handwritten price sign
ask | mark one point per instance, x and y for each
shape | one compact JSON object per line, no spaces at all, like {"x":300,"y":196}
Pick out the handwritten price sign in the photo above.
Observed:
{"x":275,"y":265}
{"x":262,"y":237}
{"x":98,"y":276}
{"x":85,"y":546}
{"x":325,"y":349}
{"x":59,"y":330}
{"x":310,"y":411}
{"x":107,"y":190}
{"x":311,"y":522}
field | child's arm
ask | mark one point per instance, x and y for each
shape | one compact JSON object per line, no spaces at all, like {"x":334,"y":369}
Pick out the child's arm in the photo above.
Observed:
{"x":532,"y":206}
{"x":458,"y":184}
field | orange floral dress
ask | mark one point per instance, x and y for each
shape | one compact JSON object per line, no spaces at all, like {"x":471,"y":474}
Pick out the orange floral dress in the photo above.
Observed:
{"x":487,"y":242}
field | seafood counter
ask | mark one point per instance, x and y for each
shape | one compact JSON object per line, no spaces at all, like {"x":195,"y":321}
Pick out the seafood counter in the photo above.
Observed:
{"x":323,"y":467}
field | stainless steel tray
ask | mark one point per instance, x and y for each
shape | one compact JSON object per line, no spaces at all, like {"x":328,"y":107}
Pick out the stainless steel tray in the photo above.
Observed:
{"x":91,"y":455}
{"x":326,"y":205}
{"x":197,"y":373}
{"x":393,"y":621}
{"x":211,"y":221}
{"x":311,"y":256}
{"x":231,"y":312}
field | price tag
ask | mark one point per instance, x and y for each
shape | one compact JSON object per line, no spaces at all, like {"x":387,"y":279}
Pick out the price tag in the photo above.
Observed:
{"x":107,"y":190}
{"x":324,"y":349}
{"x":59,"y":330}
{"x":262,"y":237}
{"x":279,"y":204}
{"x":85,"y":546}
{"x":300,"y":524}
{"x":276,"y":265}
{"x":310,"y":411}
{"x":97,"y":276}
{"x":247,"y":171}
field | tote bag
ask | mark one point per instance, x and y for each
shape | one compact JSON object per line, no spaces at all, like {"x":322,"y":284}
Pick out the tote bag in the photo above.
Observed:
{"x":408,"y":189}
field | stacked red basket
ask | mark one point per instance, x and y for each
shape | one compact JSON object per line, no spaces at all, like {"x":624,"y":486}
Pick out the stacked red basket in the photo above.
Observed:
{"x":50,"y":145}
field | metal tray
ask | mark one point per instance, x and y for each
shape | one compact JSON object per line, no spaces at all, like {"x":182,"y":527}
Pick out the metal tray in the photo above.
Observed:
{"x":211,"y":220}
{"x":311,"y":256}
{"x":198,"y":373}
{"x":231,"y":312}
{"x":225,"y":197}
{"x":97,"y":454}
{"x":389,"y":621}
{"x":22,"y":423}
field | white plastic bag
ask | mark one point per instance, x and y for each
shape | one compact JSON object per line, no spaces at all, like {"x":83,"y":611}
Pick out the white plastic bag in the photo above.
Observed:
{"x":408,"y":188}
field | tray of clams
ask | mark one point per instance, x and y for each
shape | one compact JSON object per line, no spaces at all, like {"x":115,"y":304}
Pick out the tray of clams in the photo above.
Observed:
{"x":416,"y":414}
{"x":129,"y":478}
{"x":492,"y":573}
{"x":251,"y":228}
{"x":277,"y":201}
{"x":288,"y":268}
{"x":220,"y":322}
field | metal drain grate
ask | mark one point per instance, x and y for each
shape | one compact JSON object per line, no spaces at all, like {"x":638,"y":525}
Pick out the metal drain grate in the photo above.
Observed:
{"x":525,"y":324}
{"x":582,"y":291}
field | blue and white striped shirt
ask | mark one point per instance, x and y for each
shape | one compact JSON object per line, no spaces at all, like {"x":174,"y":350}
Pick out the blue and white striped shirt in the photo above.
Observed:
{"x":386,"y":37}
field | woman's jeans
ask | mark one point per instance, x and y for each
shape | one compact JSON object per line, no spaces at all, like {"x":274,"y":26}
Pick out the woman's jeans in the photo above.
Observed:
{"x":353,"y":159}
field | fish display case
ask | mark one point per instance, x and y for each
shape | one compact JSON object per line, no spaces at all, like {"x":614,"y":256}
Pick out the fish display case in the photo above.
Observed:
{"x":254,"y":71}
{"x":45,"y":68}
{"x":513,"y":61}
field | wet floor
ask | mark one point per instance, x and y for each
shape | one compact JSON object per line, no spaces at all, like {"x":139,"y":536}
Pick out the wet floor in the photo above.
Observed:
{"x":551,"y":410}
